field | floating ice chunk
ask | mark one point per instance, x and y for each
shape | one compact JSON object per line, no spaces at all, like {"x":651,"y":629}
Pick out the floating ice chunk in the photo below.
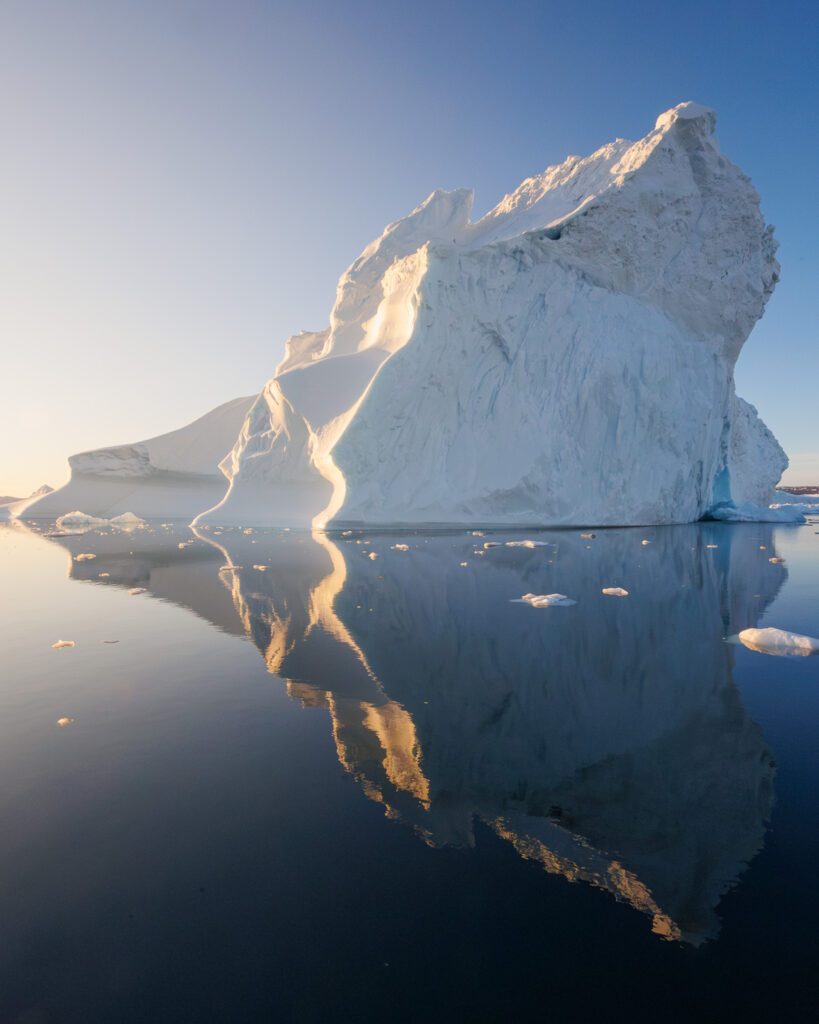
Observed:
{"x":615,"y":591}
{"x":779,"y":641}
{"x":86,"y":556}
{"x":712,"y":545}
{"x":588,"y":536}
{"x":62,"y":643}
{"x":400,"y":547}
{"x":81,"y":522}
{"x":64,"y":721}
{"x":547,"y":600}
{"x":478,"y":533}
{"x":644,"y":542}
{"x":103,"y":574}
{"x":72,"y":519}
{"x":492,"y":544}
{"x":137,"y":590}
{"x":127,"y":521}
{"x":261,"y":568}
{"x":372,"y":555}
{"x":776,"y":560}
{"x":525,"y":544}
{"x":248,"y":531}
{"x":230,"y":568}
{"x":464,"y":564}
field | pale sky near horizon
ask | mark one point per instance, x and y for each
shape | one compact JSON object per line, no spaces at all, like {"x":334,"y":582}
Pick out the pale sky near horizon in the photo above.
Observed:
{"x":183,"y":182}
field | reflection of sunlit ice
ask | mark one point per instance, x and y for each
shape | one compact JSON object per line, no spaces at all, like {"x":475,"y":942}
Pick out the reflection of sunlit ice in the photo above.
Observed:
{"x":608,"y":742}
{"x":161,"y":559}
{"x":605,"y":740}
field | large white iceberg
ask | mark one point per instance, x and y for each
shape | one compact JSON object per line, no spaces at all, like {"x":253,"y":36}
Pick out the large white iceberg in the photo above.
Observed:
{"x":567,"y":359}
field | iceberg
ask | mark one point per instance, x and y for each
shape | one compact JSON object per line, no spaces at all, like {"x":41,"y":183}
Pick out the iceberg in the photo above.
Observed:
{"x":565,"y":360}
{"x":173,"y":475}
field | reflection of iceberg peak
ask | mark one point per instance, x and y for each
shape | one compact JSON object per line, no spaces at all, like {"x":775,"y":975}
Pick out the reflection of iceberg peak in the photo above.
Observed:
{"x":609,"y":744}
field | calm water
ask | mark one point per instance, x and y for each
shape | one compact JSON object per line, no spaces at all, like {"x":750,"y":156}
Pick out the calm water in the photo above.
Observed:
{"x":350,"y":789}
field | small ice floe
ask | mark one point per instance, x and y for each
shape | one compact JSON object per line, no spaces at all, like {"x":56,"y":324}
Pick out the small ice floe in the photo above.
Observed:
{"x":86,"y":556}
{"x":183,"y":544}
{"x":525,"y":544}
{"x":779,"y":642}
{"x":712,"y":545}
{"x":346,"y":533}
{"x":464,"y":564}
{"x":247,"y":531}
{"x":492,"y":544}
{"x":137,"y":590}
{"x":762,"y":547}
{"x":62,"y":643}
{"x":546,"y":600}
{"x":400,"y":547}
{"x":644,"y":542}
{"x":776,"y":560}
{"x":478,"y":533}
{"x":587,"y":536}
{"x":102,"y":575}
{"x":230,"y":568}
{"x":62,"y":722}
{"x":372,"y":555}
{"x":615,"y":591}
{"x":261,"y":568}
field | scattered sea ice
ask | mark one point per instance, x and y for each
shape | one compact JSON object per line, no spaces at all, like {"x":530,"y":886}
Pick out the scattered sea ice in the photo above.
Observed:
{"x":615,"y":591}
{"x":62,"y":643}
{"x":779,"y":641}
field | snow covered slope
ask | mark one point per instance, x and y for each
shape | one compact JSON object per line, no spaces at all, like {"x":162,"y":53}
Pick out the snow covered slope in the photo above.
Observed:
{"x":567,"y":359}
{"x":174,"y":475}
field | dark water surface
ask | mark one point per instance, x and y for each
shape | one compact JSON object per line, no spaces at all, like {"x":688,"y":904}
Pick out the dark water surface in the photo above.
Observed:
{"x":341,"y":788}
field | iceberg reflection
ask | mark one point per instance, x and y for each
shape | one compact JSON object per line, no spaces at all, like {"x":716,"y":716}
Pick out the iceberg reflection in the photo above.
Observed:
{"x":606,"y":740}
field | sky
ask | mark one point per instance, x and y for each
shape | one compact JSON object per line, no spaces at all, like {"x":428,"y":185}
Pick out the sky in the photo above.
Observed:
{"x":184,"y":181}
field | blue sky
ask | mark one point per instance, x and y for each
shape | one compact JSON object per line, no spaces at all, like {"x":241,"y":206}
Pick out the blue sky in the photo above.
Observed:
{"x":184,"y":182}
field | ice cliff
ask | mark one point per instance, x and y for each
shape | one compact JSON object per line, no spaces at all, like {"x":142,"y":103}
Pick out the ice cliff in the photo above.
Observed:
{"x":567,"y":359}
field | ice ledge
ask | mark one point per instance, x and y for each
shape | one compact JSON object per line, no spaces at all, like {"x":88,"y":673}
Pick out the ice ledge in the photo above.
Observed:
{"x":688,"y":111}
